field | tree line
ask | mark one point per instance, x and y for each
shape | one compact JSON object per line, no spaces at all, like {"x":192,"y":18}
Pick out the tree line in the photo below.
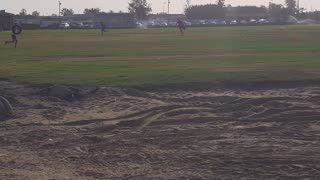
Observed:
{"x":140,"y":8}
{"x":219,"y":10}
{"x":65,"y":12}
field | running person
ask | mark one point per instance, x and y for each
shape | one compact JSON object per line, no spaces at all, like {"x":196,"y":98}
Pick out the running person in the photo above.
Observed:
{"x":13,"y":40}
{"x":181,"y":26}
{"x":16,"y":30}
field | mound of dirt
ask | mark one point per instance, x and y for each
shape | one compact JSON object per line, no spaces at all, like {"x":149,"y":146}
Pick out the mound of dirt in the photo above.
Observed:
{"x":131,"y":134}
{"x":62,"y":92}
{"x":6,"y":109}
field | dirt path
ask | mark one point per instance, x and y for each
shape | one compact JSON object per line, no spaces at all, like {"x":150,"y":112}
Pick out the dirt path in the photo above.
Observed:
{"x":130,"y":134}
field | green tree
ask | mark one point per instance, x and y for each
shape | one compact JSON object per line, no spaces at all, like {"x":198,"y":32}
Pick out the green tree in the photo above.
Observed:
{"x":92,"y":11}
{"x":188,"y":4}
{"x":278,"y":13}
{"x":140,"y":8}
{"x":291,"y":6}
{"x":35,"y":13}
{"x":23,"y":12}
{"x":208,"y":11}
{"x":67,"y":12}
{"x":220,"y":3}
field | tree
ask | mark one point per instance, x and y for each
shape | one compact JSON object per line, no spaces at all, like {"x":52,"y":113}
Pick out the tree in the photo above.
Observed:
{"x":140,"y":8}
{"x":67,"y":12}
{"x":249,"y":10}
{"x":278,"y":13}
{"x":220,"y":3}
{"x":92,"y":11}
{"x":35,"y":13}
{"x":291,"y":6}
{"x":208,"y":11}
{"x":23,"y":12}
{"x":188,"y":4}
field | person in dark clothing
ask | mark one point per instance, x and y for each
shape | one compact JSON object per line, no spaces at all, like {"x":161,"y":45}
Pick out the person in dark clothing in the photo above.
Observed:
{"x":181,"y":26}
{"x":16,"y":30}
{"x":103,"y":28}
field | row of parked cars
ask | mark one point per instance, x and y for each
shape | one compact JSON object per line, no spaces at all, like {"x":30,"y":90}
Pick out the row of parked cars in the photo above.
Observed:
{"x":142,"y":24}
{"x":252,"y":21}
{"x":85,"y":25}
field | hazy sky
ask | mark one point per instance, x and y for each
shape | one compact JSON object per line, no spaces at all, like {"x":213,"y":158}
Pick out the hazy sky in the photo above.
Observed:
{"x":47,"y":7}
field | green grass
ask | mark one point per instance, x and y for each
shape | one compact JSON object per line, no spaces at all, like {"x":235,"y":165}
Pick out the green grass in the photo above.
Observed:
{"x":160,"y":56}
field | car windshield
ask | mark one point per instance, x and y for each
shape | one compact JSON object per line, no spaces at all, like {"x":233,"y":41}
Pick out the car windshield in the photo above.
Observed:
{"x":159,"y":89}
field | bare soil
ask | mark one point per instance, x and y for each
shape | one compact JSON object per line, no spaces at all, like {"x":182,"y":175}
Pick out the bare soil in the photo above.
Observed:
{"x":116,"y":133}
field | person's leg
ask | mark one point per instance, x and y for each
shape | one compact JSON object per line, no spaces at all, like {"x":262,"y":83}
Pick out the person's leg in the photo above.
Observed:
{"x":15,"y":43}
{"x":181,"y":31}
{"x":7,"y":42}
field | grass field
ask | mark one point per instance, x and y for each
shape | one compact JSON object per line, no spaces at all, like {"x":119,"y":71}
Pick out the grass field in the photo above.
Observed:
{"x":140,"y":57}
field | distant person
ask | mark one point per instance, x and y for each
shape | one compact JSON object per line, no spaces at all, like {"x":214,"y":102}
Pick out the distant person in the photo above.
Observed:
{"x":13,"y":40}
{"x":103,"y":28}
{"x":181,"y":26}
{"x":16,"y":30}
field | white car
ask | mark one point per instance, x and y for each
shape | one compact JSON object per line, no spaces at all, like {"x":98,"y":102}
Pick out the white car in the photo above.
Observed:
{"x":234,"y":22}
{"x":253,"y":21}
{"x":139,"y":25}
{"x":202,"y":22}
{"x":187,"y":23}
{"x":64,"y":25}
{"x":263,"y":21}
{"x":163,"y":24}
{"x":151,"y":24}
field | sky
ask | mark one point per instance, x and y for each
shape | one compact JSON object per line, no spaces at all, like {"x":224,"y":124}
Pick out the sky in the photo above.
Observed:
{"x":48,"y":7}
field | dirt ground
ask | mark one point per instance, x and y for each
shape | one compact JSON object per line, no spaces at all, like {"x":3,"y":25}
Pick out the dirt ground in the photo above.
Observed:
{"x":129,"y":134}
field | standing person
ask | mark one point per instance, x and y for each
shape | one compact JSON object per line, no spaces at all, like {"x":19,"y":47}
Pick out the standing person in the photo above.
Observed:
{"x":181,"y":26}
{"x":103,"y":28}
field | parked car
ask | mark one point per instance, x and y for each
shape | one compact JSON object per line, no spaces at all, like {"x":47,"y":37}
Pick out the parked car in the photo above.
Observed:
{"x":172,"y":23}
{"x":233,"y":22}
{"x":151,"y":24}
{"x":163,"y":24}
{"x":263,"y":21}
{"x":64,"y":25}
{"x":139,"y":25}
{"x":76,"y":25}
{"x":253,"y":21}
{"x":221,"y":22}
{"x":243,"y":22}
{"x":187,"y":23}
{"x":211,"y":22}
{"x":88,"y":25}
{"x":202,"y":22}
